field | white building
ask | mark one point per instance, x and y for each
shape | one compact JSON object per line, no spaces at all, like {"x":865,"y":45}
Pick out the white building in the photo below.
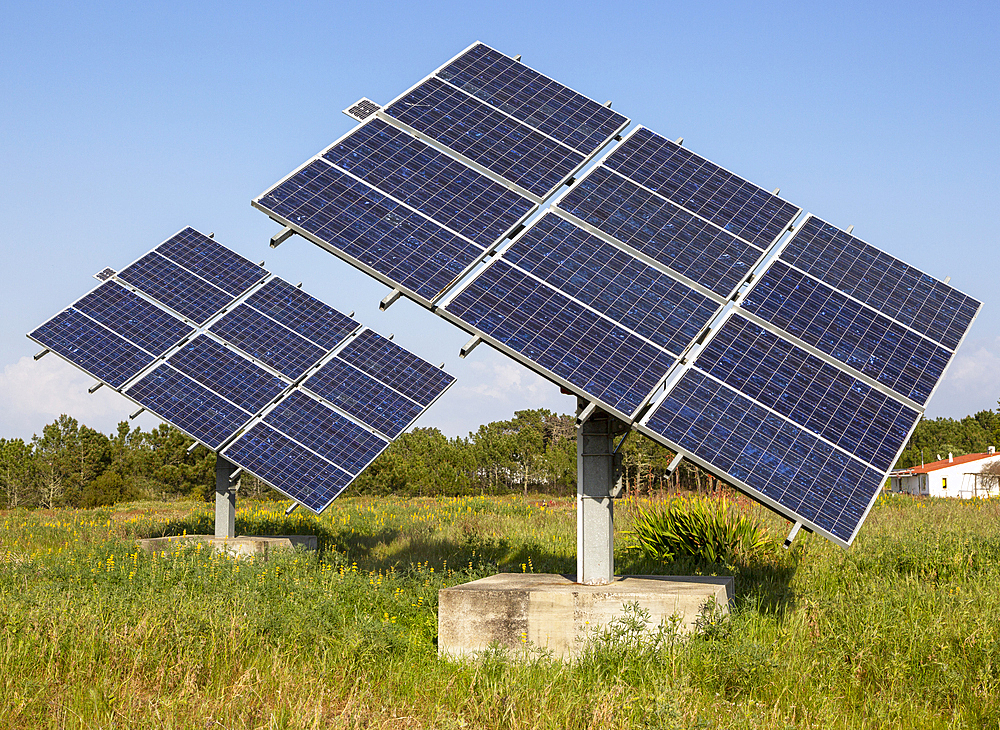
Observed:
{"x":956,"y":476}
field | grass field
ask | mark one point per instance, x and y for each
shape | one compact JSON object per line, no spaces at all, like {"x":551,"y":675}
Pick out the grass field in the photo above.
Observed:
{"x":901,"y":631}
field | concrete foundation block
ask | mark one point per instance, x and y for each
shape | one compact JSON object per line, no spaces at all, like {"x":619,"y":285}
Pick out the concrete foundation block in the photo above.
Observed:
{"x":553,"y":612}
{"x":243,"y":546}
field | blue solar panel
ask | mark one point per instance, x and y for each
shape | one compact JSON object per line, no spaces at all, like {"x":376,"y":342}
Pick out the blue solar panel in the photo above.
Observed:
{"x":390,"y":364}
{"x":661,"y":230}
{"x":807,"y":477}
{"x":549,"y":329}
{"x":193,"y":408}
{"x":326,"y":432}
{"x":91,"y":347}
{"x":228,"y":374}
{"x":212,"y":261}
{"x":820,"y":397}
{"x":363,"y":397}
{"x":288,"y":467}
{"x":177,"y":288}
{"x":438,"y":186}
{"x":484,"y":135}
{"x":729,"y":201}
{"x":896,"y":289}
{"x":379,"y":233}
{"x":848,"y":331}
{"x":135,"y":319}
{"x":302,"y":313}
{"x":613,"y":282}
{"x":271,"y":343}
{"x":547,"y":105}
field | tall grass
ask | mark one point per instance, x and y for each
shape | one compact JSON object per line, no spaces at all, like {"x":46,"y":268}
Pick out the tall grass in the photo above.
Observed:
{"x":900,"y":631}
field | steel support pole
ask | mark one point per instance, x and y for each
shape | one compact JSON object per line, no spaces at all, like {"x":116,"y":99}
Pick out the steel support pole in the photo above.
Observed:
{"x":225,"y":498}
{"x":595,"y":519}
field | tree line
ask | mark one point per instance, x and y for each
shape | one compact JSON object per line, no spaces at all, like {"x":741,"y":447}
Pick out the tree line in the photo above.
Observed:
{"x":72,"y":465}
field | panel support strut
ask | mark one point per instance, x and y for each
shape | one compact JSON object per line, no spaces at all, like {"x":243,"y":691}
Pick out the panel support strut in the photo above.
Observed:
{"x":225,"y":497}
{"x":279,"y":238}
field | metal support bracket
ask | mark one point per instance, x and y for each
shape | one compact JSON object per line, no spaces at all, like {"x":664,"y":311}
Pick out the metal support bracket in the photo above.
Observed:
{"x":43,"y":353}
{"x":674,"y":463}
{"x":279,"y":238}
{"x":135,"y":415}
{"x":95,"y":387}
{"x":389,"y":299}
{"x":791,"y":535}
{"x":469,"y":346}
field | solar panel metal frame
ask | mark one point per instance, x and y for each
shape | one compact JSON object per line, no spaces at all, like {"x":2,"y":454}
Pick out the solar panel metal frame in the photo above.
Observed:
{"x":344,"y":256}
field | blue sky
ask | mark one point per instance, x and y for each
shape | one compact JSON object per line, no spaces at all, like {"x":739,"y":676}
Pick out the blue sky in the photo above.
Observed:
{"x":122,"y":123}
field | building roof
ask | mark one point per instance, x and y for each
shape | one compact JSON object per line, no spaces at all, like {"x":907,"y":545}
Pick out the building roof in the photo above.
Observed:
{"x":943,"y":464}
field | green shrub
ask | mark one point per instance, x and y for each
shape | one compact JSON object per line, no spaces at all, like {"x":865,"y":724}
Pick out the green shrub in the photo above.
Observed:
{"x":713,"y":530}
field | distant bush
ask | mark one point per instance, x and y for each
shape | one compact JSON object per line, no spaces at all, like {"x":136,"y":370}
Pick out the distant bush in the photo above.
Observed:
{"x":713,"y":530}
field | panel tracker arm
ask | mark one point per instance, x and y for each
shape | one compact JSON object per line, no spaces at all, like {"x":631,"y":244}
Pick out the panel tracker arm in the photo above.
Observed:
{"x":674,"y":463}
{"x":586,"y":413}
{"x":279,"y":238}
{"x":135,"y":415}
{"x":292,"y":508}
{"x":791,"y":535}
{"x":94,"y":388}
{"x":389,"y":299}
{"x":469,"y":346}
{"x":42,"y":354}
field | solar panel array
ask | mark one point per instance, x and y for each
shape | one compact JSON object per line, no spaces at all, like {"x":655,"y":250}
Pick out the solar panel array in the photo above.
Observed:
{"x":660,"y":286}
{"x":217,"y":346}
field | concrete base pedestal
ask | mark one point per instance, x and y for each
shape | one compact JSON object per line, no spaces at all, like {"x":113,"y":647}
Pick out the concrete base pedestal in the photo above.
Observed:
{"x":554,"y":612}
{"x":243,"y":546}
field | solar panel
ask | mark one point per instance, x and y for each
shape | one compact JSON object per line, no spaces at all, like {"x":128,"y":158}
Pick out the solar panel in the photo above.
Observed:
{"x":288,"y":467}
{"x":809,"y":391}
{"x":666,"y":233}
{"x":732,"y":203}
{"x":264,"y":339}
{"x":363,"y":397}
{"x":854,"y":334}
{"x":616,"y":284}
{"x":769,"y":457}
{"x":213,"y":391}
{"x":211,"y":261}
{"x":228,"y":374}
{"x":92,"y":348}
{"x":326,"y":432}
{"x":875,"y":278}
{"x":177,"y":288}
{"x":568,"y":341}
{"x":440,"y":187}
{"x":134,"y":318}
{"x":381,"y":236}
{"x":533,"y":98}
{"x":396,"y":367}
{"x":488,"y":137}
{"x":306,"y":315}
{"x":190,"y":406}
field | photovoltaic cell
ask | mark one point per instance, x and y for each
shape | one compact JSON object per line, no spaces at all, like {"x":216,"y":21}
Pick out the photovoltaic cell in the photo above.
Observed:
{"x":661,"y":230}
{"x":271,"y":343}
{"x":175,"y":287}
{"x":885,"y":283}
{"x":212,"y":261}
{"x":729,"y":201}
{"x":311,"y":318}
{"x":288,"y":467}
{"x":806,"y":476}
{"x":613,"y":282}
{"x":144,"y":324}
{"x":454,"y":195}
{"x":396,"y":367}
{"x":484,"y":135}
{"x":379,"y":233}
{"x":548,"y":328}
{"x":192,"y":407}
{"x":228,"y":374}
{"x":537,"y":100}
{"x":363,"y":397}
{"x":326,"y":432}
{"x":91,"y":347}
{"x":818,"y":396}
{"x":848,"y":331}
